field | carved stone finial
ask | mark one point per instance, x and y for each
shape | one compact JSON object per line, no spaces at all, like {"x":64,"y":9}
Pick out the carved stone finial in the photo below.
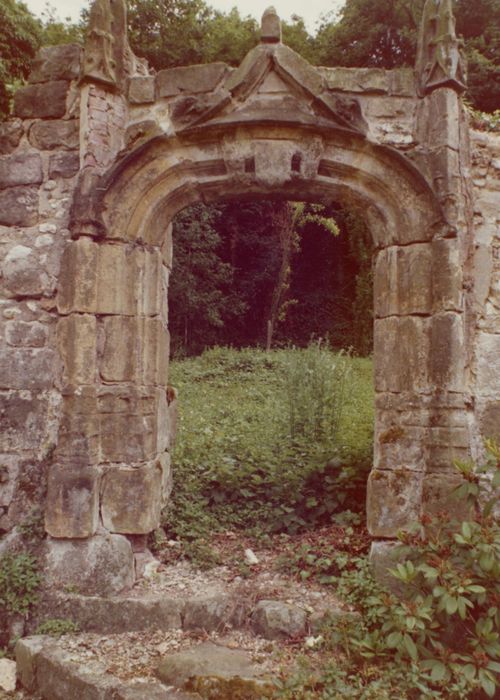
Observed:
{"x":270,"y":27}
{"x":99,"y":57}
{"x":440,"y":60}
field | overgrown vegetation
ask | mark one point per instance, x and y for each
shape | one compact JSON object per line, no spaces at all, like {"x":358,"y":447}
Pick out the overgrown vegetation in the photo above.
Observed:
{"x":440,"y":637}
{"x":269,"y":442}
{"x":19,"y":583}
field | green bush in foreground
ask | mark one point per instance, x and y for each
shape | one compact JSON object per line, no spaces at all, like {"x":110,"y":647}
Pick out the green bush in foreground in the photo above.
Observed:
{"x":440,"y":639}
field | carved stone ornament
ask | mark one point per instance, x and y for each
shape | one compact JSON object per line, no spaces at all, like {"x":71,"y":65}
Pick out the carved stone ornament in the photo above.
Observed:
{"x":99,"y":59}
{"x":440,"y":60}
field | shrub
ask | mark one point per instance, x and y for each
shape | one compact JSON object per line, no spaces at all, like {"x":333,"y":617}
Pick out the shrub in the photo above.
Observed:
{"x":19,"y":581}
{"x":56,"y":627}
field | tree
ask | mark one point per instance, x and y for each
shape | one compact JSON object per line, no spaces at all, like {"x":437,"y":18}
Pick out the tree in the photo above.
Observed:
{"x":57,"y":31}
{"x":201,"y":297}
{"x":20,"y":38}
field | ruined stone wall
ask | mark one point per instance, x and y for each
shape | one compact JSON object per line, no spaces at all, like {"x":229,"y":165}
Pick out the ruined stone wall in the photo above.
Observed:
{"x":485,"y":174}
{"x":39,"y":166}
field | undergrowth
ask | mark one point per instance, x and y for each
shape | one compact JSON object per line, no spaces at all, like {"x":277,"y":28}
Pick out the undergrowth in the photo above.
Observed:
{"x":268,"y":442}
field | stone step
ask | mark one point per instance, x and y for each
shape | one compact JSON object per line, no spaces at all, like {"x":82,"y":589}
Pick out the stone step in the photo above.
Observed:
{"x":272,"y":619}
{"x":215,"y":671}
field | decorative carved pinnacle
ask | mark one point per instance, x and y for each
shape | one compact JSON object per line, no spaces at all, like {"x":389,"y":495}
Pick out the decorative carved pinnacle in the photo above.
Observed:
{"x":270,"y":27}
{"x":440,"y":59}
{"x":108,"y":57}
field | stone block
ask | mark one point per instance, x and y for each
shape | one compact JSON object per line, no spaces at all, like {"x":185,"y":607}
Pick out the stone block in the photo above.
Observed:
{"x":488,"y":365}
{"x":151,"y":285}
{"x":77,"y":344}
{"x":42,"y":101}
{"x":274,"y":619}
{"x":79,"y":432}
{"x":26,"y":334}
{"x":20,"y":169}
{"x":141,"y":89}
{"x":401,"y":354}
{"x":63,"y":165}
{"x":120,"y":351}
{"x":77,"y":289}
{"x":23,"y":417}
{"x":26,"y":651}
{"x":23,"y":275}
{"x":447,"y":352}
{"x":56,"y":63}
{"x":372,"y":80}
{"x":130,"y":412}
{"x":489,"y":419}
{"x":401,"y":447}
{"x":132,"y":499}
{"x":28,"y":368}
{"x":439,"y":497}
{"x":7,"y":675}
{"x":384,"y":556}
{"x":19,"y":206}
{"x":393,"y":501}
{"x":214,"y":612}
{"x":447,"y":275}
{"x":402,"y":281}
{"x":100,"y":565}
{"x":49,"y":135}
{"x":190,"y":79}
{"x":167,"y":248}
{"x":72,"y":506}
{"x":117,"y":280}
{"x":11,"y":133}
{"x":10,"y":468}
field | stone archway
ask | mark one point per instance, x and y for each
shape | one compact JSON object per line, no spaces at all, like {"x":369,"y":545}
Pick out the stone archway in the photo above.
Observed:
{"x":275,"y":127}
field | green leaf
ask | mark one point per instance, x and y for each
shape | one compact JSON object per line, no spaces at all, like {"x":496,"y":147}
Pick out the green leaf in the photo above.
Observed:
{"x":438,"y":671}
{"x":487,"y":683}
{"x":466,"y":530}
{"x":451,"y":605}
{"x":469,"y":671}
{"x":394,"y":640}
{"x":410,"y":647}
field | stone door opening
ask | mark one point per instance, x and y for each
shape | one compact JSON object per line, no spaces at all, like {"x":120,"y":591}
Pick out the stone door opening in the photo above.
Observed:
{"x":391,"y":143}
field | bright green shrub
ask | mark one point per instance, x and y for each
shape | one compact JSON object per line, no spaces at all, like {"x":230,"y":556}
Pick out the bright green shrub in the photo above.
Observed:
{"x":19,"y":582}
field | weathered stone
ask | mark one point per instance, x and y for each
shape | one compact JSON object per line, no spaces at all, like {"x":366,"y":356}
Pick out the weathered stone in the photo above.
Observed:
{"x":23,"y":417}
{"x":270,"y":32}
{"x":190,"y":79}
{"x":207,"y":660}
{"x":383,"y":557}
{"x":439,"y":497}
{"x":401,"y":353}
{"x":22,"y":273}
{"x":77,"y":343}
{"x":11,"y":133}
{"x":64,"y":165}
{"x":214,"y":613}
{"x":56,"y":63}
{"x":7,"y":675}
{"x":27,"y":651}
{"x":488,"y":364}
{"x":403,"y":282}
{"x":49,"y":135}
{"x":78,"y":281}
{"x":131,"y":412}
{"x":19,"y":206}
{"x":447,"y":356}
{"x":126,"y":515}
{"x":24,"y":334}
{"x":101,"y":565}
{"x":393,"y":502}
{"x":114,"y":615}
{"x":72,"y":508}
{"x":44,"y":101}
{"x":78,"y":441}
{"x":489,"y":420}
{"x":141,"y":89}
{"x":273,"y":619}
{"x":28,"y":368}
{"x":20,"y":169}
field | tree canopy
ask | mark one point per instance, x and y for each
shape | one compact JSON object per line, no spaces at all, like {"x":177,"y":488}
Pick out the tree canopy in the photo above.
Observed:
{"x":20,"y":38}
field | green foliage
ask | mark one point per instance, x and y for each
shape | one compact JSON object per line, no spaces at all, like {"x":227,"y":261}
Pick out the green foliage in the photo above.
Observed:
{"x":19,"y":582}
{"x":235,"y":463}
{"x":57,"y":31}
{"x":56,"y":627}
{"x":316,"y":382}
{"x":440,"y":637}
{"x":20,"y":38}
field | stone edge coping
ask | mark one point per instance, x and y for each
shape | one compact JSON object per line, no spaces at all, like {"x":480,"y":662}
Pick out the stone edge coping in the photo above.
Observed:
{"x":44,"y":668}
